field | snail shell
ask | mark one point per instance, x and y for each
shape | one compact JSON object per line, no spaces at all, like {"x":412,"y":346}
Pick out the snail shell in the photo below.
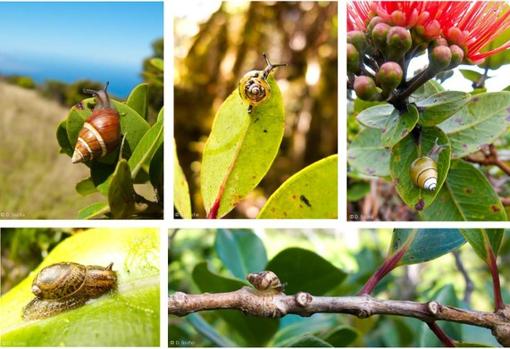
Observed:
{"x":63,"y":286}
{"x":265,"y":281}
{"x":101,"y":131}
{"x":424,"y":173}
{"x":254,"y":88}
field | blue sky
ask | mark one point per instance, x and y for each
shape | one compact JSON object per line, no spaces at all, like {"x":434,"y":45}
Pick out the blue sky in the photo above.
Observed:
{"x":40,"y":38}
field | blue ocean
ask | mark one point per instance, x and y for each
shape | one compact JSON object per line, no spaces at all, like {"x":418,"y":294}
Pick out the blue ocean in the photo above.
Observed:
{"x":122,"y":78}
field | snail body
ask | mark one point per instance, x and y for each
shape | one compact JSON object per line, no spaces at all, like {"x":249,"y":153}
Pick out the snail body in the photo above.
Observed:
{"x":424,"y":173}
{"x":100,"y":134}
{"x":253,"y":86}
{"x":63,"y":286}
{"x":265,"y":281}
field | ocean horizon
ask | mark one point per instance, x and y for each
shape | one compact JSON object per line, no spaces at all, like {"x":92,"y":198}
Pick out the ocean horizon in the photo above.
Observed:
{"x":122,"y":78}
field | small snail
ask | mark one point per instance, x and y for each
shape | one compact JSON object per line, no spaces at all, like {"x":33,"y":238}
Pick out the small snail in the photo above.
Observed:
{"x":424,"y":173}
{"x":101,"y":131}
{"x":265,"y":281}
{"x":254,"y":88}
{"x":63,"y":286}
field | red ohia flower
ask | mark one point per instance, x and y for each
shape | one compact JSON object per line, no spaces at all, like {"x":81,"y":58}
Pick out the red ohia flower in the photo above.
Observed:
{"x":468,"y":24}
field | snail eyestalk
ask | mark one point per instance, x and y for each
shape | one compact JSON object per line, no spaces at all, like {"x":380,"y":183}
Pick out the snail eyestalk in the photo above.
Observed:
{"x":270,"y":66}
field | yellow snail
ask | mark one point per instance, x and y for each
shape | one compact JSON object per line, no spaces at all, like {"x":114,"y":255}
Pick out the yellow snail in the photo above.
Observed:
{"x":424,"y":173}
{"x":265,"y":281}
{"x":101,"y":131}
{"x":254,"y":88}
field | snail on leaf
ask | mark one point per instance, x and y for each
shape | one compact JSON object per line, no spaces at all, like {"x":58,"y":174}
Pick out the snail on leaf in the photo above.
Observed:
{"x":424,"y":169}
{"x":254,"y":88}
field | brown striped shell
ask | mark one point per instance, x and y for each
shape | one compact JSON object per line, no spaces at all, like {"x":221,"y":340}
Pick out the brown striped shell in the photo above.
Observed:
{"x":424,"y":173}
{"x":101,"y":131}
{"x":63,"y":286}
{"x":265,"y":281}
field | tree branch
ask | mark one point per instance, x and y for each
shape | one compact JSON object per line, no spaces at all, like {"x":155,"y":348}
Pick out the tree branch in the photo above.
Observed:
{"x":490,"y":158}
{"x":274,"y":305}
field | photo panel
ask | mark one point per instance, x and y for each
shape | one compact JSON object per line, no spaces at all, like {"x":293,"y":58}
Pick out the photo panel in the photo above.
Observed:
{"x":255,"y":110}
{"x":338,"y":288}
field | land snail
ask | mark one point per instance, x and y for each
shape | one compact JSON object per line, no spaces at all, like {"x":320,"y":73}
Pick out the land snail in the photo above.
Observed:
{"x":424,"y":169}
{"x":64,"y":286}
{"x":100,"y":134}
{"x":265,"y":281}
{"x":254,"y":88}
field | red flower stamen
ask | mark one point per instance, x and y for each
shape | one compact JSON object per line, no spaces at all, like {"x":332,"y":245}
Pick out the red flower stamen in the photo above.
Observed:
{"x":469,"y":24}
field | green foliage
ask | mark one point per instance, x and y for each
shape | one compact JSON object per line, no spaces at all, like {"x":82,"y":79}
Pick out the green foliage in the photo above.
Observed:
{"x":182,"y":200}
{"x":21,"y":81}
{"x":310,"y":193}
{"x":127,"y":316}
{"x":109,"y":175}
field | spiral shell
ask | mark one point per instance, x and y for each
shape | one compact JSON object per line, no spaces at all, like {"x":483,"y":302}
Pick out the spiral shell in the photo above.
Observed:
{"x":265,"y":281}
{"x":101,"y":131}
{"x":63,"y":286}
{"x":424,"y":173}
{"x":254,"y":88}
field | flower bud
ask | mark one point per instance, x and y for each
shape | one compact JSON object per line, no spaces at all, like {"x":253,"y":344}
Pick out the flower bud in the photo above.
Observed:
{"x":389,"y":76}
{"x":439,"y":42}
{"x":440,"y":58}
{"x":456,"y":36}
{"x":398,"y":18}
{"x":358,"y":39}
{"x":373,"y":22}
{"x":398,"y":41}
{"x":457,"y":56}
{"x":353,"y":59}
{"x":379,"y":35}
{"x":365,"y":88}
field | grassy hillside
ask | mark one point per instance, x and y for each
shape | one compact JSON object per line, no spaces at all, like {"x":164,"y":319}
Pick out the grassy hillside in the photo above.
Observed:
{"x":36,"y":182}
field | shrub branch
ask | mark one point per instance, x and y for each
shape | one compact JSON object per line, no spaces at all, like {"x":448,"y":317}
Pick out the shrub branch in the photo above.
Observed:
{"x":275,"y":305}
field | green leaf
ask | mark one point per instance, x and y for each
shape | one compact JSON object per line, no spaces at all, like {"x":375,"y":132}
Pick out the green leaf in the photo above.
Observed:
{"x":466,"y":195}
{"x":483,"y":241}
{"x":428,"y":89}
{"x":182,"y":201}
{"x":254,"y":330}
{"x":304,"y":270}
{"x":156,"y":170}
{"x":425,"y":244}
{"x":138,"y":99}
{"x":241,"y":251}
{"x":471,"y":75}
{"x":158,"y":63}
{"x":86,"y":187}
{"x":161,"y":115}
{"x":342,"y":336}
{"x":292,"y":326}
{"x":376,"y":116}
{"x":128,"y":316}
{"x":357,"y":191}
{"x":394,"y":125}
{"x":482,"y":120}
{"x":94,"y":210}
{"x":63,"y":140}
{"x":310,"y":193}
{"x":208,"y":331}
{"x":121,"y":193}
{"x":366,"y":154}
{"x":240,"y":149}
{"x":440,"y":106}
{"x":144,"y":151}
{"x":309,"y":341}
{"x":403,"y":155}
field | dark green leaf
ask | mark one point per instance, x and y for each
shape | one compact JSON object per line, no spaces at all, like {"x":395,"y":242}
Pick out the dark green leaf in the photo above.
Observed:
{"x":408,"y":150}
{"x":121,"y":193}
{"x":63,"y":140}
{"x":309,"y":341}
{"x":471,"y":75}
{"x":428,"y":89}
{"x":357,"y":191}
{"x":138,"y":99}
{"x":342,"y":336}
{"x":304,"y":270}
{"x":241,"y":251}
{"x":483,"y":240}
{"x":467,"y":195}
{"x":94,"y":210}
{"x":209,"y":331}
